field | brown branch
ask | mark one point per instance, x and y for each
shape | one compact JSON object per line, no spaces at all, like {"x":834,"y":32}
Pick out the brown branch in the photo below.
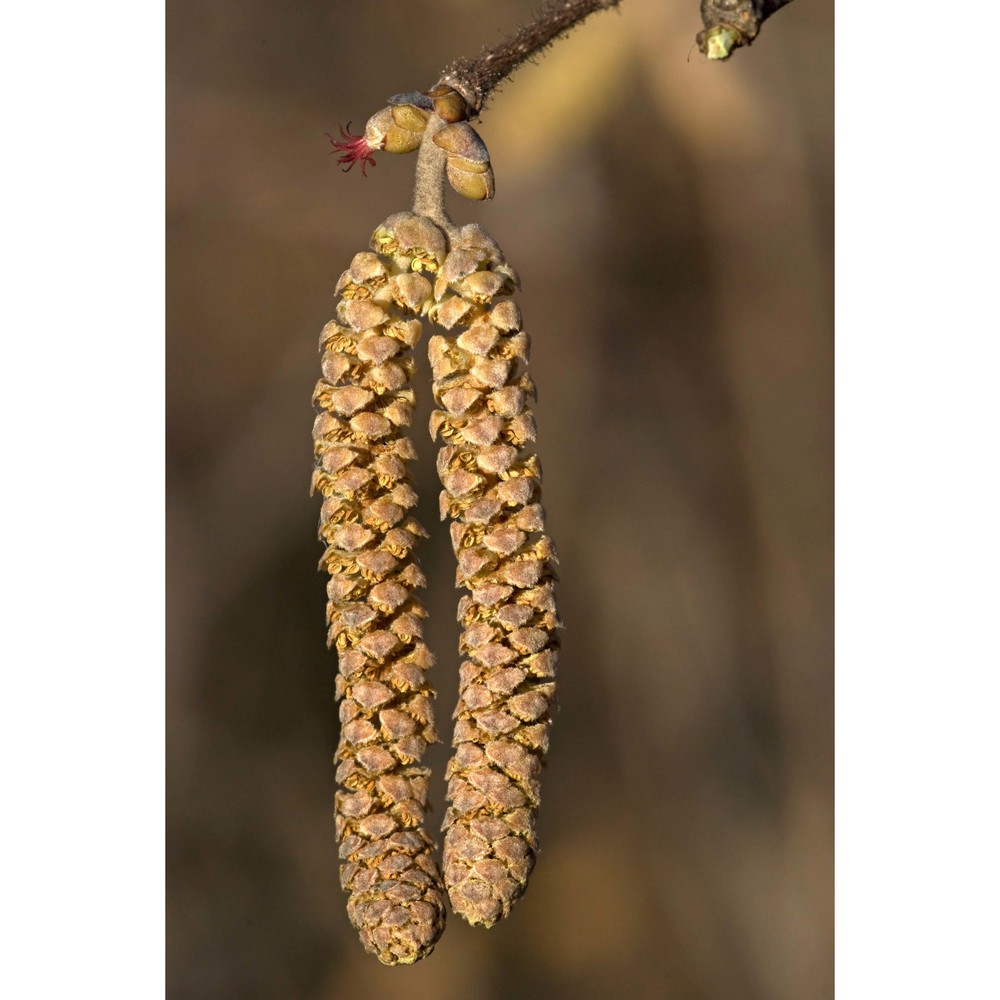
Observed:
{"x":476,"y":78}
{"x":730,"y":24}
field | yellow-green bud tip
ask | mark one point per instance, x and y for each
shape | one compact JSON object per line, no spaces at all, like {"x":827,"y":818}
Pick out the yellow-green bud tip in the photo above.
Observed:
{"x":720,"y":41}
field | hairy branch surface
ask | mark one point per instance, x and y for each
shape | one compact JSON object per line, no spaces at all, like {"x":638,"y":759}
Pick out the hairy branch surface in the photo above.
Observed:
{"x":476,"y":78}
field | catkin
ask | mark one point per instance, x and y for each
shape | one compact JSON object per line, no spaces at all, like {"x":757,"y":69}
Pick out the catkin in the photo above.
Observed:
{"x":506,"y":563}
{"x":396,"y":898}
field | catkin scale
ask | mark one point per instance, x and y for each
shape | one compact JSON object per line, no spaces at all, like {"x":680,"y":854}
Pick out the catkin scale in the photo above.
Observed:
{"x":506,"y":564}
{"x":395,"y":893}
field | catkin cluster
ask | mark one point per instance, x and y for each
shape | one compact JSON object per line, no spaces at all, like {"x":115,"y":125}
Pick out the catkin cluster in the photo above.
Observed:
{"x":491,"y":481}
{"x":491,"y":493}
{"x":423,"y":265}
{"x":396,"y":901}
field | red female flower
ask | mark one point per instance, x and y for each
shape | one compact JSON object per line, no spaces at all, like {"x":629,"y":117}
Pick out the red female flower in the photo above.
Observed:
{"x":354,"y":148}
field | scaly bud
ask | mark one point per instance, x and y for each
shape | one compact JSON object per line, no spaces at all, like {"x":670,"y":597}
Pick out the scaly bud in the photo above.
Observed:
{"x":461,"y":139}
{"x":377,"y":126}
{"x":397,"y":128}
{"x":410,"y":117}
{"x":449,"y":105}
{"x":470,"y":180}
{"x":468,"y":165}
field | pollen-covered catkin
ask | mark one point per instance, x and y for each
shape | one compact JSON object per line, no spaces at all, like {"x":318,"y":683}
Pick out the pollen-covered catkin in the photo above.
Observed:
{"x":396,"y":897}
{"x":506,"y":563}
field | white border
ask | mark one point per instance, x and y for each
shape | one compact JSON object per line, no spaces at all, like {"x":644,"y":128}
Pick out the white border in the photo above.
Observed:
{"x":83,"y":418}
{"x":917,"y":504}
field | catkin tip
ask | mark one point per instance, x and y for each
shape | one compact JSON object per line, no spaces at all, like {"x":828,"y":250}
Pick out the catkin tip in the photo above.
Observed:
{"x":398,"y":934}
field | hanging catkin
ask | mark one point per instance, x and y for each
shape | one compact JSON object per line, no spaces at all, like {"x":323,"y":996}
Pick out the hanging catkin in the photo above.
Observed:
{"x":491,"y":482}
{"x":506,"y":564}
{"x":396,"y":899}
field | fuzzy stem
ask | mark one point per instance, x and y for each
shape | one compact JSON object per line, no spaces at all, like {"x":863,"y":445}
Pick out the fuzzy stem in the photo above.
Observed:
{"x":731,"y":24}
{"x":428,"y":189}
{"x":476,"y":78}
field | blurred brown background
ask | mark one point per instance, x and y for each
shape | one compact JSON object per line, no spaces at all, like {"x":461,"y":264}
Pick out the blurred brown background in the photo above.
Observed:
{"x":671,"y":220}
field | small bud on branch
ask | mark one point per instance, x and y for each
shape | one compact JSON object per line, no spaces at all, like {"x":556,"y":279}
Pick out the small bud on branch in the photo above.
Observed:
{"x":730,"y":24}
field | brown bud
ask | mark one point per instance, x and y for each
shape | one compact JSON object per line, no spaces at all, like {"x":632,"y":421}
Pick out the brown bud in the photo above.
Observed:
{"x":397,"y":128}
{"x":449,"y":105}
{"x":476,"y":183}
{"x":468,"y":165}
{"x":461,"y":139}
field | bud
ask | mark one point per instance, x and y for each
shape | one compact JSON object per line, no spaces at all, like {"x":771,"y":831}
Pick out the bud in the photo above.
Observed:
{"x":410,"y":117}
{"x":461,"y":139}
{"x":719,"y":41}
{"x":449,"y":105}
{"x":474,"y":181}
{"x":377,"y":126}
{"x":397,"y":128}
{"x":468,"y":166}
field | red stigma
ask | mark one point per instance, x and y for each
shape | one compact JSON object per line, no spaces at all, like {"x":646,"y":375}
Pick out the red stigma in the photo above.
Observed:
{"x":354,"y":148}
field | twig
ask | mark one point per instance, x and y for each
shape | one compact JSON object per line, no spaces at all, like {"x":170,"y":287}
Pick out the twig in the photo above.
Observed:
{"x":476,"y":78}
{"x":730,"y":24}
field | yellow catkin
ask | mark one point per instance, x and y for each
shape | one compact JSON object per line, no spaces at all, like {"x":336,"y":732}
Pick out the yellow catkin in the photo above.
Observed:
{"x":396,"y":897}
{"x":491,"y":482}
